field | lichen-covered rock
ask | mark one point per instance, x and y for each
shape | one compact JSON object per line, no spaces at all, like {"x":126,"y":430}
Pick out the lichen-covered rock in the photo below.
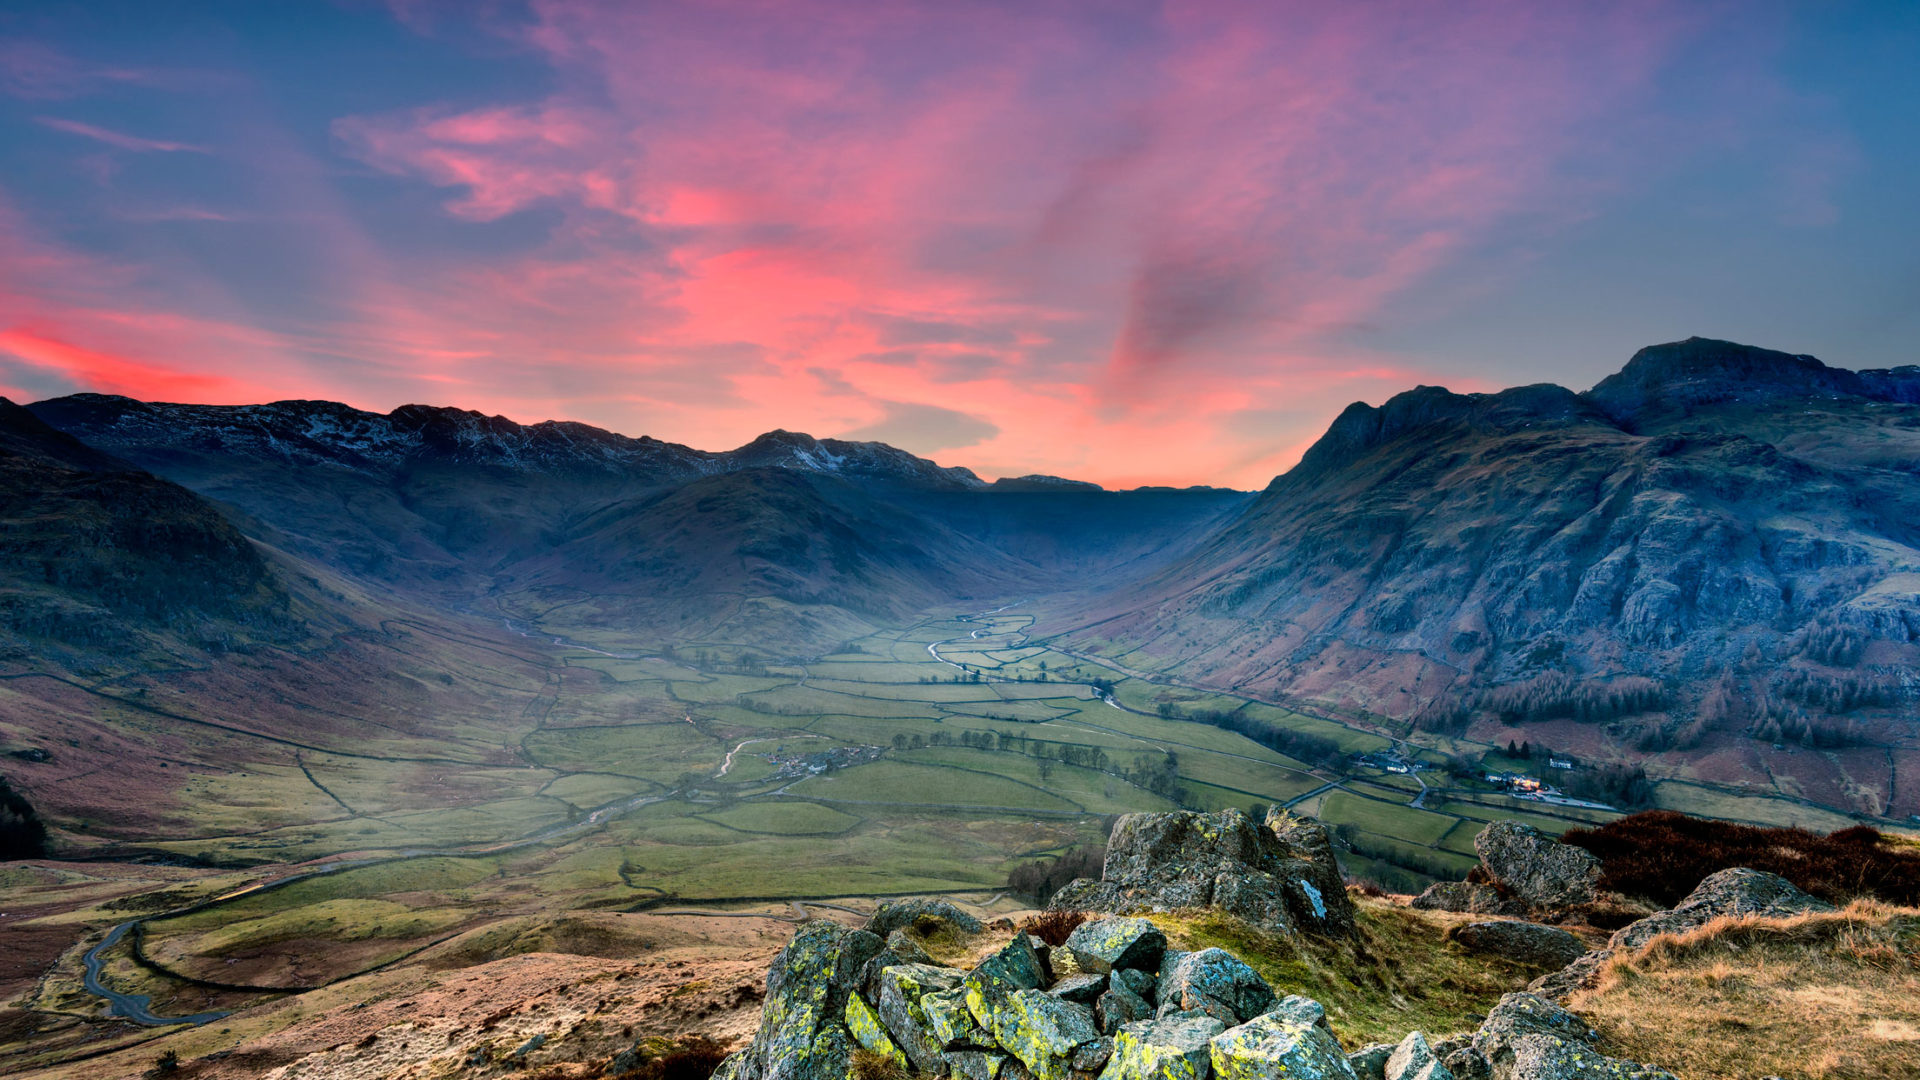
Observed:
{"x":1163,"y":1050}
{"x":1370,"y":1061}
{"x":1102,"y":945}
{"x":951,"y":1022}
{"x":1467,"y":898}
{"x":803,"y":1033}
{"x":1119,"y":1007}
{"x":1290,"y":1043}
{"x":1093,"y":1056}
{"x":1214,"y":982}
{"x":903,"y":992}
{"x":1085,"y":989}
{"x":900,"y":914}
{"x":1414,"y":1059}
{"x":868,"y":1031}
{"x":1737,"y":891}
{"x":1522,"y":942}
{"x":1139,"y":981}
{"x":975,"y":1064}
{"x":1041,"y":1030}
{"x":1278,"y":875}
{"x":1466,"y":1063}
{"x":1526,"y":1037}
{"x":1537,"y":870}
{"x":1015,"y":967}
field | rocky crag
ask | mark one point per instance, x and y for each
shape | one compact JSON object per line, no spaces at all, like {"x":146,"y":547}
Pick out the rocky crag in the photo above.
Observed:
{"x":1526,"y":874}
{"x":1116,"y":1001}
{"x":1277,"y":875}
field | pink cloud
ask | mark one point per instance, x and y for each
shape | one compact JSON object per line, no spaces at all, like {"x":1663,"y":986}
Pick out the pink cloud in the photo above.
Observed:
{"x":116,"y":139}
{"x":1101,"y":233}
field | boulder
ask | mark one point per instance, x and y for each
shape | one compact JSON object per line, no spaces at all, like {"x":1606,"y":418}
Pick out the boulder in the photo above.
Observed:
{"x":1414,"y":1059}
{"x":869,"y":1032}
{"x":1536,"y":869}
{"x":1466,"y":1064}
{"x":1163,"y":1050}
{"x":1738,"y":891}
{"x":1214,"y":982}
{"x":1467,"y":898}
{"x":1522,"y":942}
{"x":903,"y":991}
{"x":952,"y":1024}
{"x":1370,"y":1061}
{"x":1277,"y":875}
{"x":901,"y":914}
{"x":1137,"y":980}
{"x":1526,"y":1037}
{"x":975,"y":1064}
{"x":1735,"y":891}
{"x":803,"y":1032}
{"x":1290,"y":1043}
{"x":1102,"y":945}
{"x":1093,"y":1057}
{"x":1042,"y":1031}
{"x":1119,"y":1007}
{"x":1085,"y":989}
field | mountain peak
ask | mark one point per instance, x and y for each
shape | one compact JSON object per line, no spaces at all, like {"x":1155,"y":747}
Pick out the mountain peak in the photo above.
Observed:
{"x":1362,"y":427}
{"x":1700,"y":371}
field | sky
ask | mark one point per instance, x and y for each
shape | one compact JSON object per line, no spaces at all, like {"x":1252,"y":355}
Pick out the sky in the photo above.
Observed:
{"x":1128,"y":242}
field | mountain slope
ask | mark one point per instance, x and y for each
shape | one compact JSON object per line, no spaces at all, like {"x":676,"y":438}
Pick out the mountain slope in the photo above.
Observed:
{"x":1718,"y":539}
{"x":99,"y":555}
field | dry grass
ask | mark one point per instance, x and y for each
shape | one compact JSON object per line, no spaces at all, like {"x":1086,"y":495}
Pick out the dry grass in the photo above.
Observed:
{"x":1831,"y":996}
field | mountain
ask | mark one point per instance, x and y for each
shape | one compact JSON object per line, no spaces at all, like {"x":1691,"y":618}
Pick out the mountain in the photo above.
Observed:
{"x":1716,"y":540}
{"x":99,"y":555}
{"x":798,"y":541}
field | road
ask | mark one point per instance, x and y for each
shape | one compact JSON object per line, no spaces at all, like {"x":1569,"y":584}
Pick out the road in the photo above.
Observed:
{"x":134,"y":1007}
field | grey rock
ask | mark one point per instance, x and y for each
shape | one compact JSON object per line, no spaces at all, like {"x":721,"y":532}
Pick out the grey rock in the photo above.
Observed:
{"x":1467,"y":1063}
{"x":1119,"y":1007}
{"x":1281,"y":1045}
{"x":901,"y":914}
{"x":1537,"y":870}
{"x":1526,"y":1037}
{"x":902,"y":1008}
{"x":801,"y":1034}
{"x":1414,"y":1059}
{"x":1737,"y":891}
{"x":1467,"y":898}
{"x":1559,"y":986}
{"x":1102,"y":945}
{"x":1093,"y":1056}
{"x":1040,"y":1030}
{"x":1215,"y":982}
{"x":1370,"y":1061}
{"x":1137,"y":980}
{"x":975,"y":1064}
{"x":1085,"y":989}
{"x":1277,"y":875}
{"x":1522,"y":942}
{"x":906,"y":949}
{"x":1163,"y":1050}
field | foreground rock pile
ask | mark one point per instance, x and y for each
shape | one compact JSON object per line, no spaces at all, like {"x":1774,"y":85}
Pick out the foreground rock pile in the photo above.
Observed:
{"x":1132,"y":1008}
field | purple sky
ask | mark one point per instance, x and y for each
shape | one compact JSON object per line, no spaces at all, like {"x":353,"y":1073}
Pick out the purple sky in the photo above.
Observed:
{"x":1128,"y":242}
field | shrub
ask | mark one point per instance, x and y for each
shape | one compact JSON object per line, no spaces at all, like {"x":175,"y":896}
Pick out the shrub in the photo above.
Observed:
{"x":1662,"y":855}
{"x":22,"y":835}
{"x":1053,"y":927}
{"x":692,"y":1058}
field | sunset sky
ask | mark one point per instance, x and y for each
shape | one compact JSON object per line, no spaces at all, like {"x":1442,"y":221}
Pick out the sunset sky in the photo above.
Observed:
{"x":1125,"y":242}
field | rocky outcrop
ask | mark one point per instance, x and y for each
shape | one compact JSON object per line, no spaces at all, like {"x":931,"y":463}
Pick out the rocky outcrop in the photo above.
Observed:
{"x":1735,"y":891}
{"x":1160,"y":1014}
{"x":921,"y":913}
{"x":803,"y":1033}
{"x":1467,"y":897}
{"x":1279,"y":875}
{"x":1522,"y":942}
{"x":1527,"y":1037}
{"x":1537,"y":870}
